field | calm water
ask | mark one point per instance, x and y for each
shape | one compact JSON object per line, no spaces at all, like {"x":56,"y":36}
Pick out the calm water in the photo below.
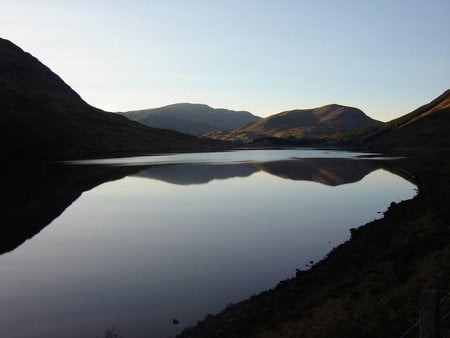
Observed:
{"x":153,"y":239}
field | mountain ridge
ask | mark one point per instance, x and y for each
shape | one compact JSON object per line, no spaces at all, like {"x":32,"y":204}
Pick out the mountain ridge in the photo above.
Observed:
{"x":301,"y":123}
{"x":191,"y":118}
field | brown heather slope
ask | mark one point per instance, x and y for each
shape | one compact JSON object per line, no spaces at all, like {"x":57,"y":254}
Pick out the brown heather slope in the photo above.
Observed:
{"x":427,"y":127}
{"x":307,"y":123}
{"x":41,"y":116}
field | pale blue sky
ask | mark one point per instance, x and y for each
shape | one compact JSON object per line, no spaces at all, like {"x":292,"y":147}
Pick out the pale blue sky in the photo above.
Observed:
{"x":385,"y":57}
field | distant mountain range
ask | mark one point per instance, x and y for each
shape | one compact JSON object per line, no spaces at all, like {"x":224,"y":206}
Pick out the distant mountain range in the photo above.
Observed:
{"x":41,"y":116}
{"x":194,"y":119}
{"x":302,"y":123}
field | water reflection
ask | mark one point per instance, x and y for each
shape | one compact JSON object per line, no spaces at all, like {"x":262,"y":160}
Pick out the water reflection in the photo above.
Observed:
{"x":187,"y":174}
{"x":32,"y":195}
{"x":170,"y":240}
{"x":328,"y":171}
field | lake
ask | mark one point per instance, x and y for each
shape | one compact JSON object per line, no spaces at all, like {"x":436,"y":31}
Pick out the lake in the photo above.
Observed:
{"x":134,"y":243}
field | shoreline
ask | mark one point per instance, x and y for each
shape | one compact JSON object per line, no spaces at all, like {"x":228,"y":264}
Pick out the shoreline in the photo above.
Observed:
{"x":367,"y":286}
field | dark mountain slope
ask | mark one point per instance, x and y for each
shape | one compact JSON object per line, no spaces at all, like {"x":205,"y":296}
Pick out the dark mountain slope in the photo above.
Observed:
{"x":427,"y":127}
{"x":43,"y":116}
{"x":306,"y":123}
{"x":195,"y":119}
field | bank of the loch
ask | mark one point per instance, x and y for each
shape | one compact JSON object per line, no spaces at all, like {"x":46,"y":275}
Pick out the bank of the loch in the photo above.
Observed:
{"x":367,"y":287}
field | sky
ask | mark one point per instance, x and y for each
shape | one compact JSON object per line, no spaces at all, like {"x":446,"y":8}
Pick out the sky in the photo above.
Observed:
{"x":386,"y":57}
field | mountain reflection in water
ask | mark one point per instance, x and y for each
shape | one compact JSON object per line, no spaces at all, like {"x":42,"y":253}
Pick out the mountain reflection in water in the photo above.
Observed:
{"x":173,"y":237}
{"x":328,"y":171}
{"x":32,"y":195}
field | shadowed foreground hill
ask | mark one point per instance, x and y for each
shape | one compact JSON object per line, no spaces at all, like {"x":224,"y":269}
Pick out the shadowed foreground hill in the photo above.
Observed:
{"x":427,"y":127}
{"x":195,"y":119}
{"x":41,"y":116}
{"x":306,"y":123}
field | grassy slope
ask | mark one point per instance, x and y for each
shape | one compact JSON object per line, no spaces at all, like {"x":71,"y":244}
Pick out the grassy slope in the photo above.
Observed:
{"x":43,"y":116}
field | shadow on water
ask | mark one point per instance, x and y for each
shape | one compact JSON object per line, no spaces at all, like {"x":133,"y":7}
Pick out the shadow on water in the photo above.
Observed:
{"x":33,"y":195}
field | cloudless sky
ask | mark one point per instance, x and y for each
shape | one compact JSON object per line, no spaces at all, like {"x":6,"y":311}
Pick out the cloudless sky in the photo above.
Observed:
{"x":386,"y":57}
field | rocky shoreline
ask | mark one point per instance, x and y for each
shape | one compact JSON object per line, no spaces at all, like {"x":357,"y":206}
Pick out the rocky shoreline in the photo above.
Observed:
{"x":368,"y":286}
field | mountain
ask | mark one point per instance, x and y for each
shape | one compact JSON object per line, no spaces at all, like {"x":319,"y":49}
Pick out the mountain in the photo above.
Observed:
{"x":303,"y":123}
{"x":195,"y":119}
{"x":41,"y":116}
{"x":427,"y":127}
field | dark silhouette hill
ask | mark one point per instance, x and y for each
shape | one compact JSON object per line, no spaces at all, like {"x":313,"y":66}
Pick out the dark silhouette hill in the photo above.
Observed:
{"x":41,"y":116}
{"x":195,"y":119}
{"x":305,"y":123}
{"x":427,"y":127}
